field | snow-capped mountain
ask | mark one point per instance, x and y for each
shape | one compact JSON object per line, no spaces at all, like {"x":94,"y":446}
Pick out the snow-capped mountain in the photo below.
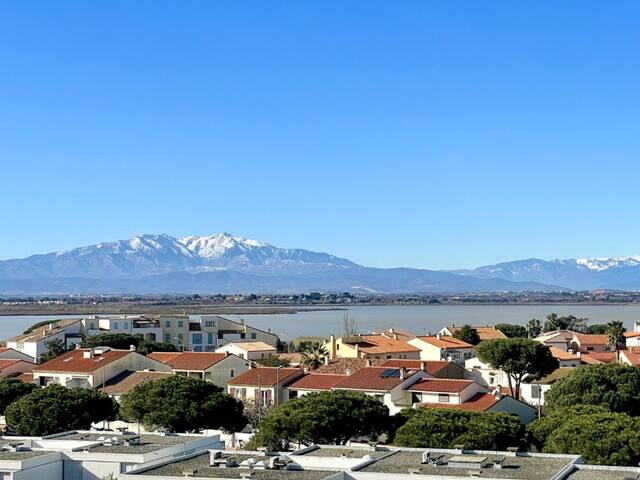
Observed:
{"x":616,"y":273}
{"x":220,"y":263}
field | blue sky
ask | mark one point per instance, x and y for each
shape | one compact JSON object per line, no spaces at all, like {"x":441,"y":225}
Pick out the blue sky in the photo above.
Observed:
{"x":415,"y":133}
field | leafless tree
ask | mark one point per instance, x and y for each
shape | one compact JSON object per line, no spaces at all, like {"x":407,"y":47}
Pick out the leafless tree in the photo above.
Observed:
{"x":349,"y":325}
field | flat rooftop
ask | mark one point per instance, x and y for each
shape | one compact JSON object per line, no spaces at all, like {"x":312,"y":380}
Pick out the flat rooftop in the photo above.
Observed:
{"x":201,"y":468}
{"x":7,"y":455}
{"x":519,"y":467}
{"x":148,"y":443}
{"x":344,"y":452}
{"x":610,"y":473}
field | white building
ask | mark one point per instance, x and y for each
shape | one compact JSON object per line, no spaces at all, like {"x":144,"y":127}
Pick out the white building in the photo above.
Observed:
{"x":248,"y":350}
{"x":34,"y":344}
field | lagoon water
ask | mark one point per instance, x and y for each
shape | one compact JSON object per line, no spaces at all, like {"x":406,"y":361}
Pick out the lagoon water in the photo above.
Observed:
{"x":419,"y":319}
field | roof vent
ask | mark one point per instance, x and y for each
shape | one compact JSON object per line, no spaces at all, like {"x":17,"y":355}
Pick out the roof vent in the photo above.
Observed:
{"x":87,"y":354}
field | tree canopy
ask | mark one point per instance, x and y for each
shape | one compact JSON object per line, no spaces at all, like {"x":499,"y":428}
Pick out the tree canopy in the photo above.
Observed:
{"x":601,"y":438}
{"x":145,"y":347}
{"x":113,"y":340}
{"x":614,"y":386}
{"x":55,"y":348}
{"x":554,"y":322}
{"x":468,"y":334}
{"x":615,"y":335}
{"x":273,"y":361}
{"x":597,"y":328}
{"x":11,"y":389}
{"x":57,"y":409}
{"x":326,"y":417}
{"x":517,"y":357}
{"x":511,"y":330}
{"x":180,"y":404}
{"x":534,"y":328}
{"x":314,"y":356}
{"x":441,"y":428}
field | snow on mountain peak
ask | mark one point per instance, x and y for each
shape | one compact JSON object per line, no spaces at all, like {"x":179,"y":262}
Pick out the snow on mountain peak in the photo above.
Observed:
{"x":214,"y":246}
{"x":604,"y":263}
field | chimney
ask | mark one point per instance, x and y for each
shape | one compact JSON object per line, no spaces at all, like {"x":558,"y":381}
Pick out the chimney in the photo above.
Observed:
{"x":438,"y":336}
{"x":347,"y":371}
{"x":403,"y":373}
{"x":87,"y":353}
{"x":326,"y":360}
{"x":51,"y":326}
{"x":305,"y":370}
{"x":368,"y":363}
{"x":497,"y":392}
{"x":132,"y":348}
{"x":423,"y":366}
{"x":357,"y":350}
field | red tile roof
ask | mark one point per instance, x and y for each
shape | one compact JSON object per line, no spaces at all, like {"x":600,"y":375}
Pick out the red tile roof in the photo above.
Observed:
{"x":7,"y":362}
{"x":342,"y":365}
{"x":485,"y":332}
{"x":480,"y":402}
{"x":599,"y":357}
{"x":127,"y":380}
{"x":74,"y":361}
{"x":562,"y":355}
{"x":317,"y":381}
{"x":431,"y":366}
{"x":374,"y":378}
{"x":632,"y":354}
{"x":266,"y":376}
{"x":26,"y":377}
{"x":192,"y":361}
{"x":437,"y":385}
{"x":379,"y":344}
{"x":445,"y":342}
{"x":591,"y":338}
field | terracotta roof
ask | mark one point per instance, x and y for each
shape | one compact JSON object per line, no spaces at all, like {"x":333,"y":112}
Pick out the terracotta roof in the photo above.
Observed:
{"x":379,"y":344}
{"x":632,"y":354}
{"x":266,"y":376}
{"x":480,"y":402}
{"x":557,"y":374}
{"x":8,"y":362}
{"x":45,"y":331}
{"x":74,"y":361}
{"x":444,"y":385}
{"x":125,"y":381}
{"x":631,"y":334}
{"x":374,"y":378}
{"x":403,"y":335}
{"x":445,"y":342}
{"x":593,"y":358}
{"x":342,"y":365}
{"x":591,"y":338}
{"x":251,"y":346}
{"x":485,"y":332}
{"x":26,"y":377}
{"x":317,"y":381}
{"x":193,"y":361}
{"x":292,"y":357}
{"x":432,"y":367}
{"x":562,"y":355}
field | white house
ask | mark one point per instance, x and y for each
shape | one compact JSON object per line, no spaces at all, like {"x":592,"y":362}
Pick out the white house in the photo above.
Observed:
{"x":442,"y":347}
{"x":484,"y":374}
{"x":266,"y":385}
{"x":34,"y":344}
{"x":217,"y":368}
{"x":248,"y":350}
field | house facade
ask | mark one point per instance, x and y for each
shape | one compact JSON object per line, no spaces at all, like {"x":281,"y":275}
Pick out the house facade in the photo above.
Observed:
{"x":248,"y":350}
{"x":374,"y":346}
{"x":485,"y":332}
{"x":217,"y":368}
{"x":35,"y":344}
{"x":442,"y":348}
{"x":265,"y":386}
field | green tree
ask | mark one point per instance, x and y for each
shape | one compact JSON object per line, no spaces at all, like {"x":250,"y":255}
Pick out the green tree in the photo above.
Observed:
{"x":273,"y":361}
{"x":179,"y":404}
{"x":11,"y":389}
{"x":517,"y":357}
{"x":441,"y":428}
{"x":55,"y":348}
{"x":314,"y":356}
{"x":332,"y":417}
{"x":57,"y":409}
{"x":539,"y":430}
{"x":601,"y":438}
{"x":511,"y":330}
{"x":554,"y":322}
{"x":121,"y":341}
{"x":145,"y":347}
{"x":597,"y":328}
{"x":468,"y":334}
{"x":534,"y":328}
{"x":615,"y":335}
{"x":616,"y":387}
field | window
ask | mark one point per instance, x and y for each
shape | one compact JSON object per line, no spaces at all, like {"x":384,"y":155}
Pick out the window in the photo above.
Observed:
{"x":197,"y":348}
{"x":293,"y":394}
{"x":115,"y":325}
{"x":589,"y":349}
{"x":92,"y":326}
{"x":210,"y":338}
{"x":180,"y":324}
{"x":197,"y":338}
{"x":167,"y":324}
{"x":232,"y":373}
{"x":220,"y":336}
{"x":443,"y":398}
{"x":535,"y":391}
{"x":416,"y":398}
{"x":210,"y":348}
{"x":242,"y":335}
{"x":379,"y":397}
{"x":126,"y":325}
{"x":253,"y":335}
{"x":388,"y":357}
{"x":180,"y":337}
{"x":210,"y":324}
{"x":167,"y":337}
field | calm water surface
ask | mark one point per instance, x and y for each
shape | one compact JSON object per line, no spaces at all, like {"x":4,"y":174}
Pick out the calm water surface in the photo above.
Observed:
{"x":419,"y":319}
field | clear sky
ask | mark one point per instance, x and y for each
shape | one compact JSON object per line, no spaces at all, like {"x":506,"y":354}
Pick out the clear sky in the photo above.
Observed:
{"x":435,"y":134}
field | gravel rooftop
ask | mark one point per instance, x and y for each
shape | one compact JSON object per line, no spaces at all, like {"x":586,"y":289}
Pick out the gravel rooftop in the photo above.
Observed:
{"x":584,"y":474}
{"x":347,"y":452}
{"x":5,"y":455}
{"x":148,"y":443}
{"x":201,"y":465}
{"x":520,"y":468}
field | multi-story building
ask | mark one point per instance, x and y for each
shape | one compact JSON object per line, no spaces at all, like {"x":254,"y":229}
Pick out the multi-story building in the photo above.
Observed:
{"x":442,"y":347}
{"x":379,"y":346}
{"x":35,"y":343}
{"x":217,"y":368}
{"x":146,"y":326}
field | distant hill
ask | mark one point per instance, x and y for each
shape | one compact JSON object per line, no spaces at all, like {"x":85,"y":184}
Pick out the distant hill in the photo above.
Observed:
{"x":223,"y":263}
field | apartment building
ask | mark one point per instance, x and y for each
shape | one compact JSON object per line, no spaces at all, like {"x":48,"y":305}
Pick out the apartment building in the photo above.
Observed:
{"x":442,"y":347}
{"x":217,"y":368}
{"x":35,"y":343}
{"x":249,"y":350}
{"x":379,"y":346}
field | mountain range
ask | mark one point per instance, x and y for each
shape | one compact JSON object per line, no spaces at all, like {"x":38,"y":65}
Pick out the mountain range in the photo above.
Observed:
{"x":223,"y":263}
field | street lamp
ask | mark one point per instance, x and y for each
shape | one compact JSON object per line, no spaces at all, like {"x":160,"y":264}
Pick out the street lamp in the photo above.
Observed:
{"x":277,"y":390}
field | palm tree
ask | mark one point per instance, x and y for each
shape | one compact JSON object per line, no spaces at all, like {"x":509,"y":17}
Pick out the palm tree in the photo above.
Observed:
{"x":534,"y":328}
{"x":313,"y":357}
{"x":615,"y":335}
